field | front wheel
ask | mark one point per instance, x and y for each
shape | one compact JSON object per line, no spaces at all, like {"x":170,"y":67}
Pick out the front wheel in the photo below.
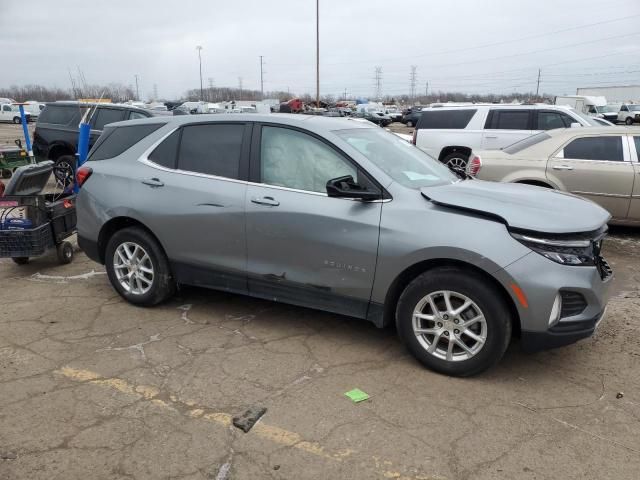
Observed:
{"x":629,"y":121}
{"x":17,"y":120}
{"x":409,"y":123}
{"x":453,"y":321}
{"x":138,"y":268}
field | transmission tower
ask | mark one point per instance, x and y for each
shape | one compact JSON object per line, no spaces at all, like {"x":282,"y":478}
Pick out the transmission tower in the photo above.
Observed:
{"x":413,"y":77}
{"x":378,"y":83}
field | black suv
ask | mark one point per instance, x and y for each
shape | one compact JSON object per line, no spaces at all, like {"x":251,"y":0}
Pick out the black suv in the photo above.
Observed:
{"x":56,"y":134}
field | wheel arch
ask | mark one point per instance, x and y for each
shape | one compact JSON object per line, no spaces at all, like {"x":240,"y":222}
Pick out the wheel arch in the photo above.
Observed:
{"x":60,"y":148}
{"x":454,"y":148}
{"x":116,"y":224}
{"x":410,"y":273}
{"x":535,"y":182}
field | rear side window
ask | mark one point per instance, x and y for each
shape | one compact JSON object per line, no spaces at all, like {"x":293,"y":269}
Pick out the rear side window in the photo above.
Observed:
{"x":551,"y":120}
{"x":508,"y":120}
{"x":135,"y":115}
{"x":166,"y":153}
{"x":106,"y":115}
{"x":115,"y":141}
{"x":595,"y":148}
{"x":60,"y":115}
{"x":212,"y":149}
{"x":445,"y":119}
{"x":637,"y":142}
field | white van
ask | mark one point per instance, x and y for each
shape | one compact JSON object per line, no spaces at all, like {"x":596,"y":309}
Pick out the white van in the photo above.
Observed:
{"x":582,"y":103}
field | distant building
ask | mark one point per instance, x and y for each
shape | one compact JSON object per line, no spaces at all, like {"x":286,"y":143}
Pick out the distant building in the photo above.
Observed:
{"x":621,"y":94}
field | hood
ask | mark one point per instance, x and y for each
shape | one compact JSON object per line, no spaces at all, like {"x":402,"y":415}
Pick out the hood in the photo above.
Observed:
{"x":521,"y":206}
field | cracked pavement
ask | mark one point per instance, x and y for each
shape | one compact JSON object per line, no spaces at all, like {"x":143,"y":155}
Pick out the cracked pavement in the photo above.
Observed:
{"x":92,"y":387}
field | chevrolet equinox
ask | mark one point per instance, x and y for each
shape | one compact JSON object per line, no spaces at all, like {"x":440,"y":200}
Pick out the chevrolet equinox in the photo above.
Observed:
{"x":342,"y":216}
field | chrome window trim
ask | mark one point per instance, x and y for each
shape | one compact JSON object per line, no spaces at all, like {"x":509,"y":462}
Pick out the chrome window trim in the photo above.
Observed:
{"x":144,"y":159}
{"x":559,"y":153}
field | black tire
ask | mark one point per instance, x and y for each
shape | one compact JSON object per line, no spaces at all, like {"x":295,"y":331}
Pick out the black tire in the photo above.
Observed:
{"x":456,"y":160}
{"x":17,"y":120}
{"x":65,"y":253}
{"x":63,"y":170}
{"x":7,"y":173}
{"x":629,"y":121}
{"x":409,"y":123}
{"x":476,"y":288}
{"x":162,"y":285}
{"x":20,"y":260}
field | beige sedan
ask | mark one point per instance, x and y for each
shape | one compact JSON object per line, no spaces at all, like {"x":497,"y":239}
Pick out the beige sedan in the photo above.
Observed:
{"x":598,"y":163}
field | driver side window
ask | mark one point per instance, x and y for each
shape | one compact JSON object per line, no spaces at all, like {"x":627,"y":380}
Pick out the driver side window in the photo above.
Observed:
{"x":293,"y":159}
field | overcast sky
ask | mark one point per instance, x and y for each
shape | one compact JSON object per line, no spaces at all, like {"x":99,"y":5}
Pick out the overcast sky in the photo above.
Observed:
{"x":457,"y":45}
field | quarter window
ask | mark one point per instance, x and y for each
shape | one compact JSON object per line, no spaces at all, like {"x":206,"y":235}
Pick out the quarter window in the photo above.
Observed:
{"x":445,"y":119}
{"x":166,"y":153}
{"x":115,"y":141}
{"x":212,"y":149}
{"x":296,"y":160}
{"x":105,"y":116}
{"x":61,"y":115}
{"x":637,"y":142}
{"x":136,"y":115}
{"x":595,"y":148}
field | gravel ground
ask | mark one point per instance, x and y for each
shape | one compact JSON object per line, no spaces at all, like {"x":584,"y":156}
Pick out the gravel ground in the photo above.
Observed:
{"x":92,"y":387}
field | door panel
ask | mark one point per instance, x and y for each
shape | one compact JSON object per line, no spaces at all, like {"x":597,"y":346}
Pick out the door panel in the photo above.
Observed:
{"x":304,"y":247}
{"x":634,"y":150}
{"x":605,"y":177}
{"x":312,"y":250}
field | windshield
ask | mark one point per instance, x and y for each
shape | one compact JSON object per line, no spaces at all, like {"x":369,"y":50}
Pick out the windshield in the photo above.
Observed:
{"x":526,"y":143}
{"x":609,"y":108}
{"x":405,"y":163}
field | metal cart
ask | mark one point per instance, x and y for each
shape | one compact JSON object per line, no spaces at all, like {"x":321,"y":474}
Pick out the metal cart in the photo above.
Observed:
{"x":32,"y":222}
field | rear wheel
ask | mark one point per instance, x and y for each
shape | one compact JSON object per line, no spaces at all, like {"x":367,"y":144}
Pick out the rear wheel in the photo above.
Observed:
{"x":17,"y":120}
{"x":409,"y":123}
{"x":20,"y":260}
{"x":63,"y":171}
{"x":453,"y":321}
{"x":456,"y":161}
{"x":138,"y":268}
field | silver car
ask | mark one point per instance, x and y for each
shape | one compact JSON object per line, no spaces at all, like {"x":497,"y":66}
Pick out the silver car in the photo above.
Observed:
{"x":339,"y":215}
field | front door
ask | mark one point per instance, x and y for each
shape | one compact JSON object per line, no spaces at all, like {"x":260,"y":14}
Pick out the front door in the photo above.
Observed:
{"x":598,"y":168}
{"x":304,"y":247}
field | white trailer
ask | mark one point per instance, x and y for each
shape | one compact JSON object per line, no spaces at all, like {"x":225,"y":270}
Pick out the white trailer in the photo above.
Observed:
{"x":621,"y":94}
{"x":582,"y":103}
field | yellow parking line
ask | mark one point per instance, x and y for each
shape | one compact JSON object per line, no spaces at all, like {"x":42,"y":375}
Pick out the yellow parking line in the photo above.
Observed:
{"x":271,"y":433}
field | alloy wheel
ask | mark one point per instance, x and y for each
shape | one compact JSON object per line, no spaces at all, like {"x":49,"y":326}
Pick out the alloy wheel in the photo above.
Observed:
{"x":133,"y":268}
{"x":449,"y":325}
{"x":457,"y":163}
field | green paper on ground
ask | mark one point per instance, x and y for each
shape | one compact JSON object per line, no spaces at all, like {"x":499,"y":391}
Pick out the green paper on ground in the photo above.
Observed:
{"x":356,"y":395}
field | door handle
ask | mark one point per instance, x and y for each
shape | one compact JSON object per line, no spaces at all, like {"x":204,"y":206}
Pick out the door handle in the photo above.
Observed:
{"x":270,"y":201}
{"x":562,"y":167}
{"x":491,"y":136}
{"x":153,"y":182}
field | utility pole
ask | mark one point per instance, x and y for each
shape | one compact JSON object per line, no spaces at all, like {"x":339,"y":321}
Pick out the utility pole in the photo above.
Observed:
{"x":240,"y":85}
{"x":199,"y":48}
{"x":210,"y":95}
{"x":378,"y":80}
{"x":155,"y":91}
{"x":318,"y":53}
{"x":412,"y":81}
{"x":538,"y":86}
{"x":345,"y":95}
{"x":137,"y":89}
{"x":261,"y":79}
{"x":426,"y":90}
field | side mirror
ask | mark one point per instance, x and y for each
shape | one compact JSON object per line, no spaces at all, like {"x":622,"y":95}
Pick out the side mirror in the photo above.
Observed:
{"x":346,"y":187}
{"x":575,"y":125}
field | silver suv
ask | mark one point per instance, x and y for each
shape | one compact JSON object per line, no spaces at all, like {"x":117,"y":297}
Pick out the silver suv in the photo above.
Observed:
{"x":339,"y":215}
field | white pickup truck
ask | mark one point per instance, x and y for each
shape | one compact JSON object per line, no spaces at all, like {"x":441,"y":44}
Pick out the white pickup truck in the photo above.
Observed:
{"x":11,"y":113}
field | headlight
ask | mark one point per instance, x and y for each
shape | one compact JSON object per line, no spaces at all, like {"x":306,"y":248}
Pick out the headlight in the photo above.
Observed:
{"x":567,"y":251}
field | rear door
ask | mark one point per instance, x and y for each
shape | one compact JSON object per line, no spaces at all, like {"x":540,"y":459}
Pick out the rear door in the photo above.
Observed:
{"x":505,"y":126}
{"x":192,"y":195}
{"x":304,"y":247}
{"x":598,"y":168}
{"x":634,"y":148}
